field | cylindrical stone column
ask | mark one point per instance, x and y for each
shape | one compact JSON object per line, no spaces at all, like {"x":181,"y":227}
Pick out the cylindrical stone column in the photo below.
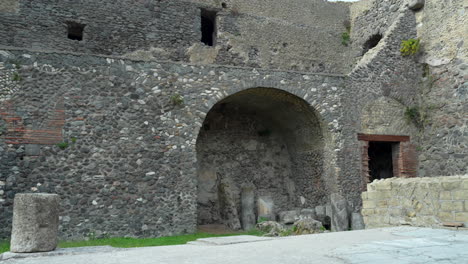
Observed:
{"x":35,"y":222}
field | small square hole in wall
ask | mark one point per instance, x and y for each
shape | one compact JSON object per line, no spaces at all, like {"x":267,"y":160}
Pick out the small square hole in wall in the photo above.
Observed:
{"x":75,"y":30}
{"x":208,"y":27}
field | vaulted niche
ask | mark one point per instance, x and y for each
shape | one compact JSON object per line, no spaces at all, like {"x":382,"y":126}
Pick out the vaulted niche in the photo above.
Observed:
{"x":260,"y":151}
{"x":208,"y":27}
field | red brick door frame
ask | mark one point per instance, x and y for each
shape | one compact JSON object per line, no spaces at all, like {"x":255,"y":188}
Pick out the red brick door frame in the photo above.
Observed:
{"x":405,"y":161}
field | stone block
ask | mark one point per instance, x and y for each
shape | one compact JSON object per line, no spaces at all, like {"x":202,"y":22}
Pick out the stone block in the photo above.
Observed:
{"x":35,"y":222}
{"x":32,"y":150}
{"x":288,"y":217}
{"x":357,"y":222}
{"x":382,"y":203}
{"x":368,"y":204}
{"x":367,"y":212}
{"x":340,"y":216}
{"x":265,"y":208}
{"x":380,"y":195}
{"x":328,"y":210}
{"x":460,"y":195}
{"x":445,"y":195}
{"x":456,"y":206}
{"x":464,"y":185}
{"x":395,"y":212}
{"x":461,"y":217}
{"x":307,"y":213}
{"x":320,"y":210}
{"x":415,"y":5}
{"x":393,"y":202}
{"x":450,"y":185}
{"x":364,"y":196}
{"x":248,"y":208}
{"x":445,"y":216}
{"x":383,"y":186}
{"x":307,"y":226}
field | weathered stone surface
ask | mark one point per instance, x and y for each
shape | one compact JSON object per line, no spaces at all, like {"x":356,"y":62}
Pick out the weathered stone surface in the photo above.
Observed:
{"x":248,"y":207}
{"x":288,"y":217}
{"x":340,"y":217}
{"x":416,"y":4}
{"x":307,"y":213}
{"x":271,"y":228}
{"x":228,"y":208}
{"x":265,"y":208}
{"x":308,"y":226}
{"x":357,"y":222}
{"x":35,"y":222}
{"x":428,"y":202}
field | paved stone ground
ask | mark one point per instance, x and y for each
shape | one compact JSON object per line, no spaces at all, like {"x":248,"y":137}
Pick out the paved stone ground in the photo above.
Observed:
{"x":402,"y":245}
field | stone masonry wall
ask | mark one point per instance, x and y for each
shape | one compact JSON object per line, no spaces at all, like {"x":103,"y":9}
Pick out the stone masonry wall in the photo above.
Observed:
{"x":382,"y":80}
{"x":427,"y":202}
{"x":268,"y":34}
{"x":127,"y":162}
{"x":444,"y":92}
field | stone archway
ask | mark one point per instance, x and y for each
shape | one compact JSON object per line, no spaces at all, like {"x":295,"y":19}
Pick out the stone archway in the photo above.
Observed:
{"x":259,"y":148}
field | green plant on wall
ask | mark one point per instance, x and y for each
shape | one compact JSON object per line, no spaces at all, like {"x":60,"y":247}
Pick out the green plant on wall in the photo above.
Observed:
{"x":177,"y":99}
{"x":345,"y":38}
{"x":419,"y":115}
{"x":62,"y":145}
{"x":410,"y":47}
{"x":16,"y":77}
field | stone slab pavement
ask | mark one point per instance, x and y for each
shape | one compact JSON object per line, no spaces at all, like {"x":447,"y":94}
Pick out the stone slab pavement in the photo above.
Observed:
{"x":401,"y":245}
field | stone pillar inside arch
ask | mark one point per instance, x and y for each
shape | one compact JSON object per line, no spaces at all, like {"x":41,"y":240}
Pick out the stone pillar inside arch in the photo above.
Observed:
{"x":35,"y":222}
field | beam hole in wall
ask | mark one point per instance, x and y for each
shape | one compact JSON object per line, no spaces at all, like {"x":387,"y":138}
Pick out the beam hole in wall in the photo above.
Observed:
{"x":224,"y":5}
{"x":208,"y":27}
{"x":75,"y":30}
{"x":371,"y":43}
{"x":262,"y":143}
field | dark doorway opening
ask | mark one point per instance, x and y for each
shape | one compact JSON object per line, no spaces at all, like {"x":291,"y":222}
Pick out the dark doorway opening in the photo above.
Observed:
{"x":75,"y":31}
{"x":208,"y":27}
{"x":371,"y":43}
{"x":381,"y":160}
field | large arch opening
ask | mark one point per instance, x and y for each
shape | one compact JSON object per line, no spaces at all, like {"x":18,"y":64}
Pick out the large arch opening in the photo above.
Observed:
{"x":260,"y":152}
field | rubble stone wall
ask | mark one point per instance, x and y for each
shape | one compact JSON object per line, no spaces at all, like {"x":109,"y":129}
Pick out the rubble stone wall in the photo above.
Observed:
{"x":295,"y":35}
{"x":116,"y":138}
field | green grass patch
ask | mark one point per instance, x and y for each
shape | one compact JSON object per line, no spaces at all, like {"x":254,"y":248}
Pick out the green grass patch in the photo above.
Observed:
{"x":125,"y":242}
{"x":4,"y":246}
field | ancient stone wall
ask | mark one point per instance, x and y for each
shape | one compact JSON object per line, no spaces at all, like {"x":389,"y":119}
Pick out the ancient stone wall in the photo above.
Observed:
{"x":428,"y":202}
{"x":382,"y":84}
{"x":434,"y":80}
{"x":267,"y":34}
{"x":444,"y":93}
{"x":124,"y":162}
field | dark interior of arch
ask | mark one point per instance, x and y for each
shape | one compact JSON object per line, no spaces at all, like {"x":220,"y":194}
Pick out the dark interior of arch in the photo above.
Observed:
{"x":256,"y":148}
{"x":371,"y":43}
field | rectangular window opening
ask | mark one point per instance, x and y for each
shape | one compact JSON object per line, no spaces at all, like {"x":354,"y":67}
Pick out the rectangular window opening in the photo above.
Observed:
{"x":208,"y":27}
{"x":75,"y":30}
